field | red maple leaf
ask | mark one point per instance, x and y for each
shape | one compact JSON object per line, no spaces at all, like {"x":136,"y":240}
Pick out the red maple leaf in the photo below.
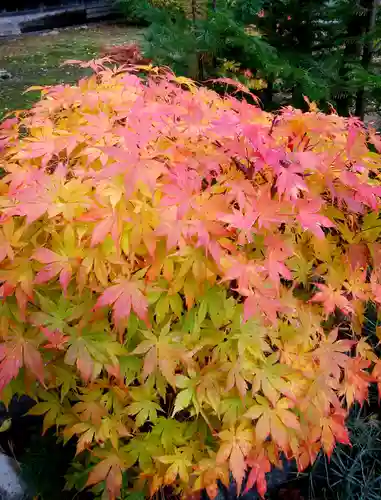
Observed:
{"x":260,"y":465}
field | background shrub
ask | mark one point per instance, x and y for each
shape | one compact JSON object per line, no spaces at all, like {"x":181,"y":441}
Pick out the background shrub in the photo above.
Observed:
{"x":326,"y":50}
{"x":184,"y":279}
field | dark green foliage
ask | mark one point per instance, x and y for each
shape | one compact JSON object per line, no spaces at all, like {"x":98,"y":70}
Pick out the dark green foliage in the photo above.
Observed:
{"x":134,"y":11}
{"x":353,"y":473}
{"x":322,"y":49}
{"x":43,"y":466}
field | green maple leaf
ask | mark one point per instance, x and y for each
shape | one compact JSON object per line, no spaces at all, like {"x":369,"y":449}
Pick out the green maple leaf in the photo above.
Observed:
{"x":143,"y":448}
{"x":130,"y":367}
{"x":231,"y":409}
{"x":170,"y":432}
{"x":50,"y":407}
{"x":57,"y":311}
{"x":143,"y":411}
{"x":144,"y":406}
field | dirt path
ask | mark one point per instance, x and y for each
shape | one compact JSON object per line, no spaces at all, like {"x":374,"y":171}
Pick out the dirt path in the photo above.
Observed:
{"x":36,"y":59}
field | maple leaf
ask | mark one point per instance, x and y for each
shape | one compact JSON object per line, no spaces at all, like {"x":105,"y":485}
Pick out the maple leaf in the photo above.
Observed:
{"x":310,"y":218}
{"x":271,"y":377}
{"x":14,"y":356}
{"x":254,"y":238}
{"x":275,"y":421}
{"x":125,"y":296}
{"x":33,"y":361}
{"x":11,"y":360}
{"x":90,"y":410}
{"x":170,"y":431}
{"x":56,"y":339}
{"x":357,"y":380}
{"x":332,"y":354}
{"x":236,"y":445}
{"x":259,"y":465}
{"x":50,"y":407}
{"x":56,"y":264}
{"x":236,"y":379}
{"x":334,"y":430}
{"x":331,"y":299}
{"x":209,"y":474}
{"x":276,"y":256}
{"x":106,"y":223}
{"x":179,"y":466}
{"x":290,"y":182}
{"x":160,"y":352}
{"x":143,"y":411}
{"x":262,"y":302}
{"x":109,"y":469}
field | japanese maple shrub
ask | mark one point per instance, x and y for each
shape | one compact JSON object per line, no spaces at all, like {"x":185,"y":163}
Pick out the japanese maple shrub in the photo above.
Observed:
{"x":184,"y":279}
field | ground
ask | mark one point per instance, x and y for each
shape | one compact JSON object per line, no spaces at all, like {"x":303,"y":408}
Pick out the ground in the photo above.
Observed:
{"x":36,"y":59}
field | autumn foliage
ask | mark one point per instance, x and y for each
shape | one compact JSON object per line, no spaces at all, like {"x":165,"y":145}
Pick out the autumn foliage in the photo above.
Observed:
{"x":184,"y":278}
{"x":129,"y":53}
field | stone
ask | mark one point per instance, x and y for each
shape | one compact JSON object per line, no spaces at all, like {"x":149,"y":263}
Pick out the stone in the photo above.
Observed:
{"x":11,"y":486}
{"x":50,"y":32}
{"x":4,"y":74}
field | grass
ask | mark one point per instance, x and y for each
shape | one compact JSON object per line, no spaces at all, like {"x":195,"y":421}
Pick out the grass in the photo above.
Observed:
{"x":36,"y":59}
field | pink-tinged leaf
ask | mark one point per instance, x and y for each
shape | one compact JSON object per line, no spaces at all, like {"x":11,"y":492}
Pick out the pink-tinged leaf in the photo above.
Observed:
{"x":85,"y":367}
{"x":277,"y":254}
{"x":289,"y":419}
{"x":109,"y":296}
{"x":150,"y":362}
{"x":33,"y":361}
{"x":375,"y":139}
{"x":331,"y":299}
{"x":310,"y":218}
{"x":257,"y":304}
{"x":237,"y":85}
{"x":65,"y":276}
{"x":8,"y":124}
{"x":354,"y":133}
{"x":49,"y":272}
{"x":6,"y":290}
{"x":22,"y":301}
{"x":376,"y":290}
{"x":260,"y":465}
{"x":56,"y":339}
{"x":11,"y":362}
{"x":123,"y":297}
{"x":289,"y":182}
{"x":101,"y":230}
{"x":358,"y":255}
{"x":46,"y":256}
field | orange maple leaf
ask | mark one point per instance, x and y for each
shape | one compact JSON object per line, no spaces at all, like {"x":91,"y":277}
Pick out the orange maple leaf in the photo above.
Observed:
{"x":236,"y":445}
